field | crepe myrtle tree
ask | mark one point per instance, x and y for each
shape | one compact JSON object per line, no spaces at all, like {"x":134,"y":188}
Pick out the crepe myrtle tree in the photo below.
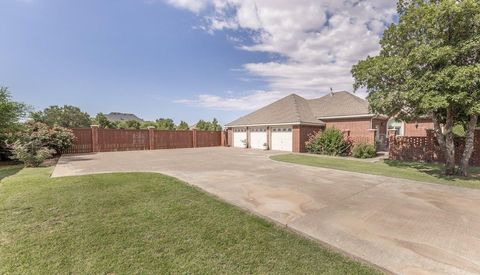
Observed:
{"x":429,"y":66}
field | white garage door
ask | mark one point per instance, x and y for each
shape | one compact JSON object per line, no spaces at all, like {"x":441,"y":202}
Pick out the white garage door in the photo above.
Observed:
{"x":258,"y":137}
{"x":282,"y":139}
{"x":239,"y":134}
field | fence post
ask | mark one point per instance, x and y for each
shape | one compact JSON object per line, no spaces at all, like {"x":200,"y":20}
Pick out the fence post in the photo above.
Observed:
{"x":194,"y":133}
{"x":94,"y":138}
{"x":151,"y":137}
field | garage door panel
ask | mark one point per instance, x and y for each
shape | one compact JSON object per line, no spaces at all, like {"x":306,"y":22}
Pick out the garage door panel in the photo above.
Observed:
{"x":282,"y":139}
{"x":258,"y":137}
{"x":238,"y":136}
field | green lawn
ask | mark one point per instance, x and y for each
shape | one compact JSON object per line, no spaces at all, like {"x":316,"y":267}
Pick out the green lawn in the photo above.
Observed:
{"x":425,"y":172}
{"x":9,"y":170}
{"x":144,"y":223}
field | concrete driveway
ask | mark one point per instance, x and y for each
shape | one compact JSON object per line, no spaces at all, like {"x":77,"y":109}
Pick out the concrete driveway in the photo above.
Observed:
{"x":403,"y":226}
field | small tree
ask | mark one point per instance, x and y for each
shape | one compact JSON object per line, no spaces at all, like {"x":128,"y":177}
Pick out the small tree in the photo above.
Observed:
{"x":67,"y":116}
{"x":429,"y":66}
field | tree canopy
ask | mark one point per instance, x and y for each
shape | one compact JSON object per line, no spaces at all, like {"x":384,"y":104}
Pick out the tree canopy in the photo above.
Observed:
{"x":203,"y":125}
{"x":67,"y":116}
{"x":129,"y":124}
{"x":102,"y":121}
{"x":11,"y":113}
{"x":165,"y":124}
{"x":183,"y":126}
{"x":429,"y":66}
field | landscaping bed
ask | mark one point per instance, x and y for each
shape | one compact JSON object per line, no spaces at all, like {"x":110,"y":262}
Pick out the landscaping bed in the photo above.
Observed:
{"x":148,"y":223}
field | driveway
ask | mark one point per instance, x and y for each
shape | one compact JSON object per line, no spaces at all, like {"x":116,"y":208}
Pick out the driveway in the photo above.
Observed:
{"x":403,"y":226}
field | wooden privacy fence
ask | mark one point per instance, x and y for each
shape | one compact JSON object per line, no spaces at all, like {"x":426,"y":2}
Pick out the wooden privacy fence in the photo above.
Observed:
{"x":426,"y":148}
{"x":95,"y":139}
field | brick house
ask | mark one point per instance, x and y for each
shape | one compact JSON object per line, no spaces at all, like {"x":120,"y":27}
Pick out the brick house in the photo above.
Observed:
{"x":287,"y":123}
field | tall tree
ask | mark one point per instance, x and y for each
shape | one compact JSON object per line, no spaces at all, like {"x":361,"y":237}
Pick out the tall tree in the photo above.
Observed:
{"x":67,"y":116}
{"x":203,"y":125}
{"x":429,"y":66}
{"x":102,"y":121}
{"x":10,"y":114}
{"x":183,"y":126}
{"x":165,"y":124}
{"x":215,"y":125}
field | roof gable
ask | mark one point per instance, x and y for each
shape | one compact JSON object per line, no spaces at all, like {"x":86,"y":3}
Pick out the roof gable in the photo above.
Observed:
{"x":290,"y":109}
{"x":339,"y":104}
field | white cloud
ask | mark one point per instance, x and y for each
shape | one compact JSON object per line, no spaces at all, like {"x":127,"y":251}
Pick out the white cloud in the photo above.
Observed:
{"x":244,"y":102}
{"x":319,"y":40}
{"x":192,"y":5}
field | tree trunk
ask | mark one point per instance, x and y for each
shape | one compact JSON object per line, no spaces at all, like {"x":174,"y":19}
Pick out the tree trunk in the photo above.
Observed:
{"x":469,"y":143}
{"x":446,"y":141}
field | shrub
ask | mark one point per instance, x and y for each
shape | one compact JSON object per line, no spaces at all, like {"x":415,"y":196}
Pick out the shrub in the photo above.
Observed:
{"x":364,"y":150}
{"x":37,"y":142}
{"x":56,"y":138}
{"x":329,"y":142}
{"x":32,"y":153}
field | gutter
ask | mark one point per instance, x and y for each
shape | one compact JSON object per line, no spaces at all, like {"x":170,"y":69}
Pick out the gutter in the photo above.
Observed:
{"x":353,"y":116}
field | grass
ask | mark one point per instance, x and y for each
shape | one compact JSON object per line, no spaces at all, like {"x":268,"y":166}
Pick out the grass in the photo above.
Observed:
{"x":426,"y":172}
{"x":8,"y":170}
{"x":146,"y":223}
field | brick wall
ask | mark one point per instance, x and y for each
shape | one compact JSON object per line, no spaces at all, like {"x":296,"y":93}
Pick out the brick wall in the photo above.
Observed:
{"x":418,"y":128}
{"x":356,"y":126}
{"x":301,"y":134}
{"x":358,"y":129}
{"x":426,"y":149}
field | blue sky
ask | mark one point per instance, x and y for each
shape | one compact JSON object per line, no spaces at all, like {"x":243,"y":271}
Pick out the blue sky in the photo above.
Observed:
{"x":182,"y":59}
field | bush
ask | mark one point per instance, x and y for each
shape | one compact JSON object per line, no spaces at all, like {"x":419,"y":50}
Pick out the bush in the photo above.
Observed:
{"x":329,"y":142}
{"x":364,"y":150}
{"x":56,"y":138}
{"x":37,"y":142}
{"x":32,"y":153}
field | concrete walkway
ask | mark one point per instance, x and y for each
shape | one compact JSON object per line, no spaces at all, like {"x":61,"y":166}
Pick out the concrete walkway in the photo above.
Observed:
{"x":403,"y":226}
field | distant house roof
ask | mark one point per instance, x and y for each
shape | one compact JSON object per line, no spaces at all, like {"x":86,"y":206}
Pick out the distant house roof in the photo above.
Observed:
{"x":294,"y":109}
{"x":115,"y":116}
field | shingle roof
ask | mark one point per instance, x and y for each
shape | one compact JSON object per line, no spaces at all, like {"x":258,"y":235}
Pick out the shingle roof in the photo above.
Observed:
{"x":290,"y":109}
{"x":115,"y":116}
{"x":296,"y":109}
{"x":339,"y":104}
